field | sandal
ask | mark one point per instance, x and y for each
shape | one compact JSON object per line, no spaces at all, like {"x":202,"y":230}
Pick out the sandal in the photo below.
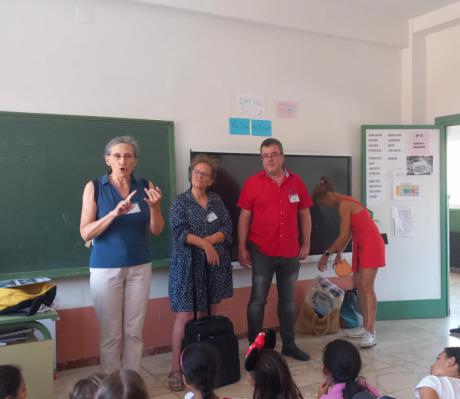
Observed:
{"x":175,"y":381}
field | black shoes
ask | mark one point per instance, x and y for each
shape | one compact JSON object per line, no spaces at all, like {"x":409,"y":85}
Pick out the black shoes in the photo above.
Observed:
{"x":295,"y":352}
{"x":455,"y":330}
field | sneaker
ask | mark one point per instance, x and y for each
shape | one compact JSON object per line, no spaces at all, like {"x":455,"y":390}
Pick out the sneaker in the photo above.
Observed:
{"x":358,"y":332}
{"x":455,"y":330}
{"x":295,"y":352}
{"x":368,"y":340}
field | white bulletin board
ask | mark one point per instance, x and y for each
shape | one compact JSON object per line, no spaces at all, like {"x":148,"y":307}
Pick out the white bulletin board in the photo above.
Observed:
{"x":401,"y":181}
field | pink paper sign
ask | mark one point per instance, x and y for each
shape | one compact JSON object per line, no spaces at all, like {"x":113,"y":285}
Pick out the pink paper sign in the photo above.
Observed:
{"x":286,"y":109}
{"x":419,"y":143}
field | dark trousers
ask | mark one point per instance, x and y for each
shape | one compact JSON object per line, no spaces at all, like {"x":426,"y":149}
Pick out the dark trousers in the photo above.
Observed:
{"x":287,"y":271}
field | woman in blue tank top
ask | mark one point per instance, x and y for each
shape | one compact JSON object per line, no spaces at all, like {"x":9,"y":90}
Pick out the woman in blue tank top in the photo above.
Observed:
{"x":117,"y":213}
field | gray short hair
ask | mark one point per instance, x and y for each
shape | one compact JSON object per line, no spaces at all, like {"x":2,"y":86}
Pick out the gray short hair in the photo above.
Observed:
{"x":122,"y":140}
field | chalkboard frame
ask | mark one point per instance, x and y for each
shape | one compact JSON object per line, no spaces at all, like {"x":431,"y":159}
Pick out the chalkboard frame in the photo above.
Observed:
{"x":82,"y":271}
{"x":255,"y":158}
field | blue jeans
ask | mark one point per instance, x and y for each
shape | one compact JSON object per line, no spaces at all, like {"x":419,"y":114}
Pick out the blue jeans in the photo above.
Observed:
{"x":287,"y":271}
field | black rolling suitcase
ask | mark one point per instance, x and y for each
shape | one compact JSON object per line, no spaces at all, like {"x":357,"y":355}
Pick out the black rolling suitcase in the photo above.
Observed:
{"x":218,"y":332}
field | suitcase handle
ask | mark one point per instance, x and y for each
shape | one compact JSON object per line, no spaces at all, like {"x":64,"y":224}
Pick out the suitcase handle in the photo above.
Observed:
{"x":195,"y":312}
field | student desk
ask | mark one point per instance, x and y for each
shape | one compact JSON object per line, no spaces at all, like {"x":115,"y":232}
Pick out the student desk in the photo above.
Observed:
{"x":35,"y":358}
{"x":30,"y":321}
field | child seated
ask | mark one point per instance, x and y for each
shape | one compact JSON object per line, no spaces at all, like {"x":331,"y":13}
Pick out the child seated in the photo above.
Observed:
{"x":341,"y":367}
{"x":86,"y":388}
{"x":200,"y":365}
{"x":267,"y":370}
{"x":123,"y":384}
{"x":444,"y":379}
{"x":12,"y":384}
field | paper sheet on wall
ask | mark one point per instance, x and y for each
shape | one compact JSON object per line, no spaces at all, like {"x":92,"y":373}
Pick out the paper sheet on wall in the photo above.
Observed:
{"x":286,"y":109}
{"x":238,"y":126}
{"x":250,"y":105}
{"x":419,"y":165}
{"x":418,"y":144}
{"x":404,"y":190}
{"x":261,"y":127}
{"x":403,"y":217}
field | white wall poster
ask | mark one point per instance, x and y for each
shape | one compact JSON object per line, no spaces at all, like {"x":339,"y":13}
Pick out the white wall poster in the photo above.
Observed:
{"x":403,"y":217}
{"x":250,"y":105}
{"x":403,"y":190}
{"x":420,"y":165}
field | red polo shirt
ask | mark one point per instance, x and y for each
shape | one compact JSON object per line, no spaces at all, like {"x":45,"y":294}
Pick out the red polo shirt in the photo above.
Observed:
{"x":274,"y":227}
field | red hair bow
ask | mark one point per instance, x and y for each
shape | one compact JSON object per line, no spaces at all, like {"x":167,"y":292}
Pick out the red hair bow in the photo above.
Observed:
{"x":259,"y":343}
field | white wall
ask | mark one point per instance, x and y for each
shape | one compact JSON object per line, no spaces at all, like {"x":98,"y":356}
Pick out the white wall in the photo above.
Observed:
{"x":443,"y":72}
{"x":431,"y":66}
{"x":146,"y":61}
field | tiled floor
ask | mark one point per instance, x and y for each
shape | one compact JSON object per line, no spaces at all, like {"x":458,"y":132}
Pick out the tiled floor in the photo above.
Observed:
{"x":405,"y":351}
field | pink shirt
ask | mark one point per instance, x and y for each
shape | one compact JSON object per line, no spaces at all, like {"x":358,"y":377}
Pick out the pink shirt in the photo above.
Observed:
{"x":336,"y":391}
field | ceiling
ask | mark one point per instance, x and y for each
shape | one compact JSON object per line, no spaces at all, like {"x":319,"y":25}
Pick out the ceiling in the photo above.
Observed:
{"x":383,"y":22}
{"x":406,"y":9}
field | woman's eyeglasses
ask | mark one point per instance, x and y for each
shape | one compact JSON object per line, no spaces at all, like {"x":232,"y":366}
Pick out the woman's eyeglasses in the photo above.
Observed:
{"x":118,"y":156}
{"x":198,"y":173}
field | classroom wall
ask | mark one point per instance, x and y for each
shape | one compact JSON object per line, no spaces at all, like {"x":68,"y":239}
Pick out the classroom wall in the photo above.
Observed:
{"x":128,"y":59}
{"x":442,"y":72}
{"x":431,"y":79}
{"x":430,"y":66}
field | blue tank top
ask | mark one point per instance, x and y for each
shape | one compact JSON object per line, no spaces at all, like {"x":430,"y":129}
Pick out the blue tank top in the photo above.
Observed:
{"x":124,"y":243}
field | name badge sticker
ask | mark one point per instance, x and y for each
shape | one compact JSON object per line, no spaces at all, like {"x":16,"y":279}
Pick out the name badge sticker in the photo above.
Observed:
{"x":211,"y":217}
{"x":135,"y":209}
{"x":294,"y":198}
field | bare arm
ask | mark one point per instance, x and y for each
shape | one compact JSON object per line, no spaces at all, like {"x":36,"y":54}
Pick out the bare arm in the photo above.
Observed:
{"x":345,"y":233}
{"x":224,"y":231}
{"x":305,"y":230}
{"x":427,"y":393}
{"x":90,"y":227}
{"x":211,"y":254}
{"x":342,"y":239}
{"x":243,"y":232}
{"x":153,"y":200}
{"x":215,"y":238}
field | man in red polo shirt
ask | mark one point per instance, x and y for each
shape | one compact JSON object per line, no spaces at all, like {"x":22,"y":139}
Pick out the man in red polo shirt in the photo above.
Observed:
{"x":268,"y":232}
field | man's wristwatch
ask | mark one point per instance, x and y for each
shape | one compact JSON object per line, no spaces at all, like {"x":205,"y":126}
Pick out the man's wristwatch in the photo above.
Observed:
{"x":327,"y":253}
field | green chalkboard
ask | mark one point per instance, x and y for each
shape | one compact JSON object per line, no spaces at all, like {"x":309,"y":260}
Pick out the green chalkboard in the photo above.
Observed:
{"x":46,"y":161}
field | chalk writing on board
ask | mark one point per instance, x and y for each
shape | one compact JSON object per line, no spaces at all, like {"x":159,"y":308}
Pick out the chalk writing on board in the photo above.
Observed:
{"x":26,"y":141}
{"x":26,"y":159}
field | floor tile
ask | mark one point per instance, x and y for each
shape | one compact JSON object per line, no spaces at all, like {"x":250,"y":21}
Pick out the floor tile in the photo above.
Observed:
{"x":404,"y":353}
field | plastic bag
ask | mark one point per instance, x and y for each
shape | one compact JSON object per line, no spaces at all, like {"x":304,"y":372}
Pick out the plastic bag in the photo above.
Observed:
{"x":325,"y":296}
